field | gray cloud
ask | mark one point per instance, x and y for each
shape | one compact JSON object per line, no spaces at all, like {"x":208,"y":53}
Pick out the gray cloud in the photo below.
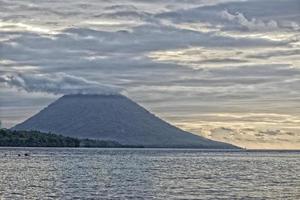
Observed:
{"x":276,"y":53}
{"x":59,"y":83}
{"x":250,"y":24}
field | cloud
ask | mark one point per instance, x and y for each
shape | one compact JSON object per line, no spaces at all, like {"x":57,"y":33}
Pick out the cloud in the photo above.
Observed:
{"x":252,"y":25}
{"x":240,"y":16}
{"x":276,"y":53}
{"x":58,"y":83}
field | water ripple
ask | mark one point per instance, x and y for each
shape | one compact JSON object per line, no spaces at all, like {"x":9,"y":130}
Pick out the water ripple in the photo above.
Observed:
{"x":147,"y":174}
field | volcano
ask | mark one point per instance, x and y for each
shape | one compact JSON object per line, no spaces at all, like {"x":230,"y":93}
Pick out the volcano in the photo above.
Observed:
{"x":114,"y":118}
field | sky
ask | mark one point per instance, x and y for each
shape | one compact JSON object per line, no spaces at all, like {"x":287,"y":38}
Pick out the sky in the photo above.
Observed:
{"x":228,"y":70}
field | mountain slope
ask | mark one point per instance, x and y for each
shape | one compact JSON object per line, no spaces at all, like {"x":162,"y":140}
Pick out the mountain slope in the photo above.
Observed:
{"x":115,"y":118}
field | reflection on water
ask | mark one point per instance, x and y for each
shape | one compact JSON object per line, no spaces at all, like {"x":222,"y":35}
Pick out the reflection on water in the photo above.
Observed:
{"x":147,"y":174}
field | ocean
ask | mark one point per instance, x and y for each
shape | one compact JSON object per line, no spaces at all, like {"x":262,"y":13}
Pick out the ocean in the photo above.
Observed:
{"x":79,"y":173}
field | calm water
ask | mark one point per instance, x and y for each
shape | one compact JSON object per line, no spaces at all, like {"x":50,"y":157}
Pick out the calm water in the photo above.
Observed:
{"x":148,"y":174}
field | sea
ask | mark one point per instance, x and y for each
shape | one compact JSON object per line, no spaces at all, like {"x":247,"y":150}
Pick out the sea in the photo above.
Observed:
{"x":93,"y":173}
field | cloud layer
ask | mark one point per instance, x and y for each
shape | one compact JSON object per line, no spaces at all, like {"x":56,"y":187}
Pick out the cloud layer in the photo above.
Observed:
{"x":202,"y":65}
{"x":59,"y":83}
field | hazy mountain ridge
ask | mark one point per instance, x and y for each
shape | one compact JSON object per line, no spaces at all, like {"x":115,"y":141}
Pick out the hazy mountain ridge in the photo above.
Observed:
{"x":112,"y":117}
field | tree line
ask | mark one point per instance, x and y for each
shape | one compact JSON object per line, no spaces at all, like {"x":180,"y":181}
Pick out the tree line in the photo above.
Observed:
{"x":13,"y":138}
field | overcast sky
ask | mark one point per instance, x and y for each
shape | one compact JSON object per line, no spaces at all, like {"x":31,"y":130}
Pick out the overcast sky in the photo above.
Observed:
{"x":228,"y":70}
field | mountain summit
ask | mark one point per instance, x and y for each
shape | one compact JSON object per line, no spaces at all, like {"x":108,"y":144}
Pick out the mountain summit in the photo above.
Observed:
{"x":115,"y":118}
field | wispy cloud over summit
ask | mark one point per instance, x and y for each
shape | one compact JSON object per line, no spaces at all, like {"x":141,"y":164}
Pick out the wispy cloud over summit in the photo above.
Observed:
{"x":58,"y":83}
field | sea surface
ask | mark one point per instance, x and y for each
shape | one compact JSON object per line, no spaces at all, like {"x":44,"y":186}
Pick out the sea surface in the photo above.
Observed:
{"x":61,"y":173}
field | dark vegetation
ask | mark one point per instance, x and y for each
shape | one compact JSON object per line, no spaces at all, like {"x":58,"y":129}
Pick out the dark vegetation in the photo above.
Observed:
{"x":102,"y":143}
{"x":35,"y":139}
{"x":12,"y":138}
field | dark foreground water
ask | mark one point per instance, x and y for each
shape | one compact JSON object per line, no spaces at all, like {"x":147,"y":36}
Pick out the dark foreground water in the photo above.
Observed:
{"x":147,"y":174}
